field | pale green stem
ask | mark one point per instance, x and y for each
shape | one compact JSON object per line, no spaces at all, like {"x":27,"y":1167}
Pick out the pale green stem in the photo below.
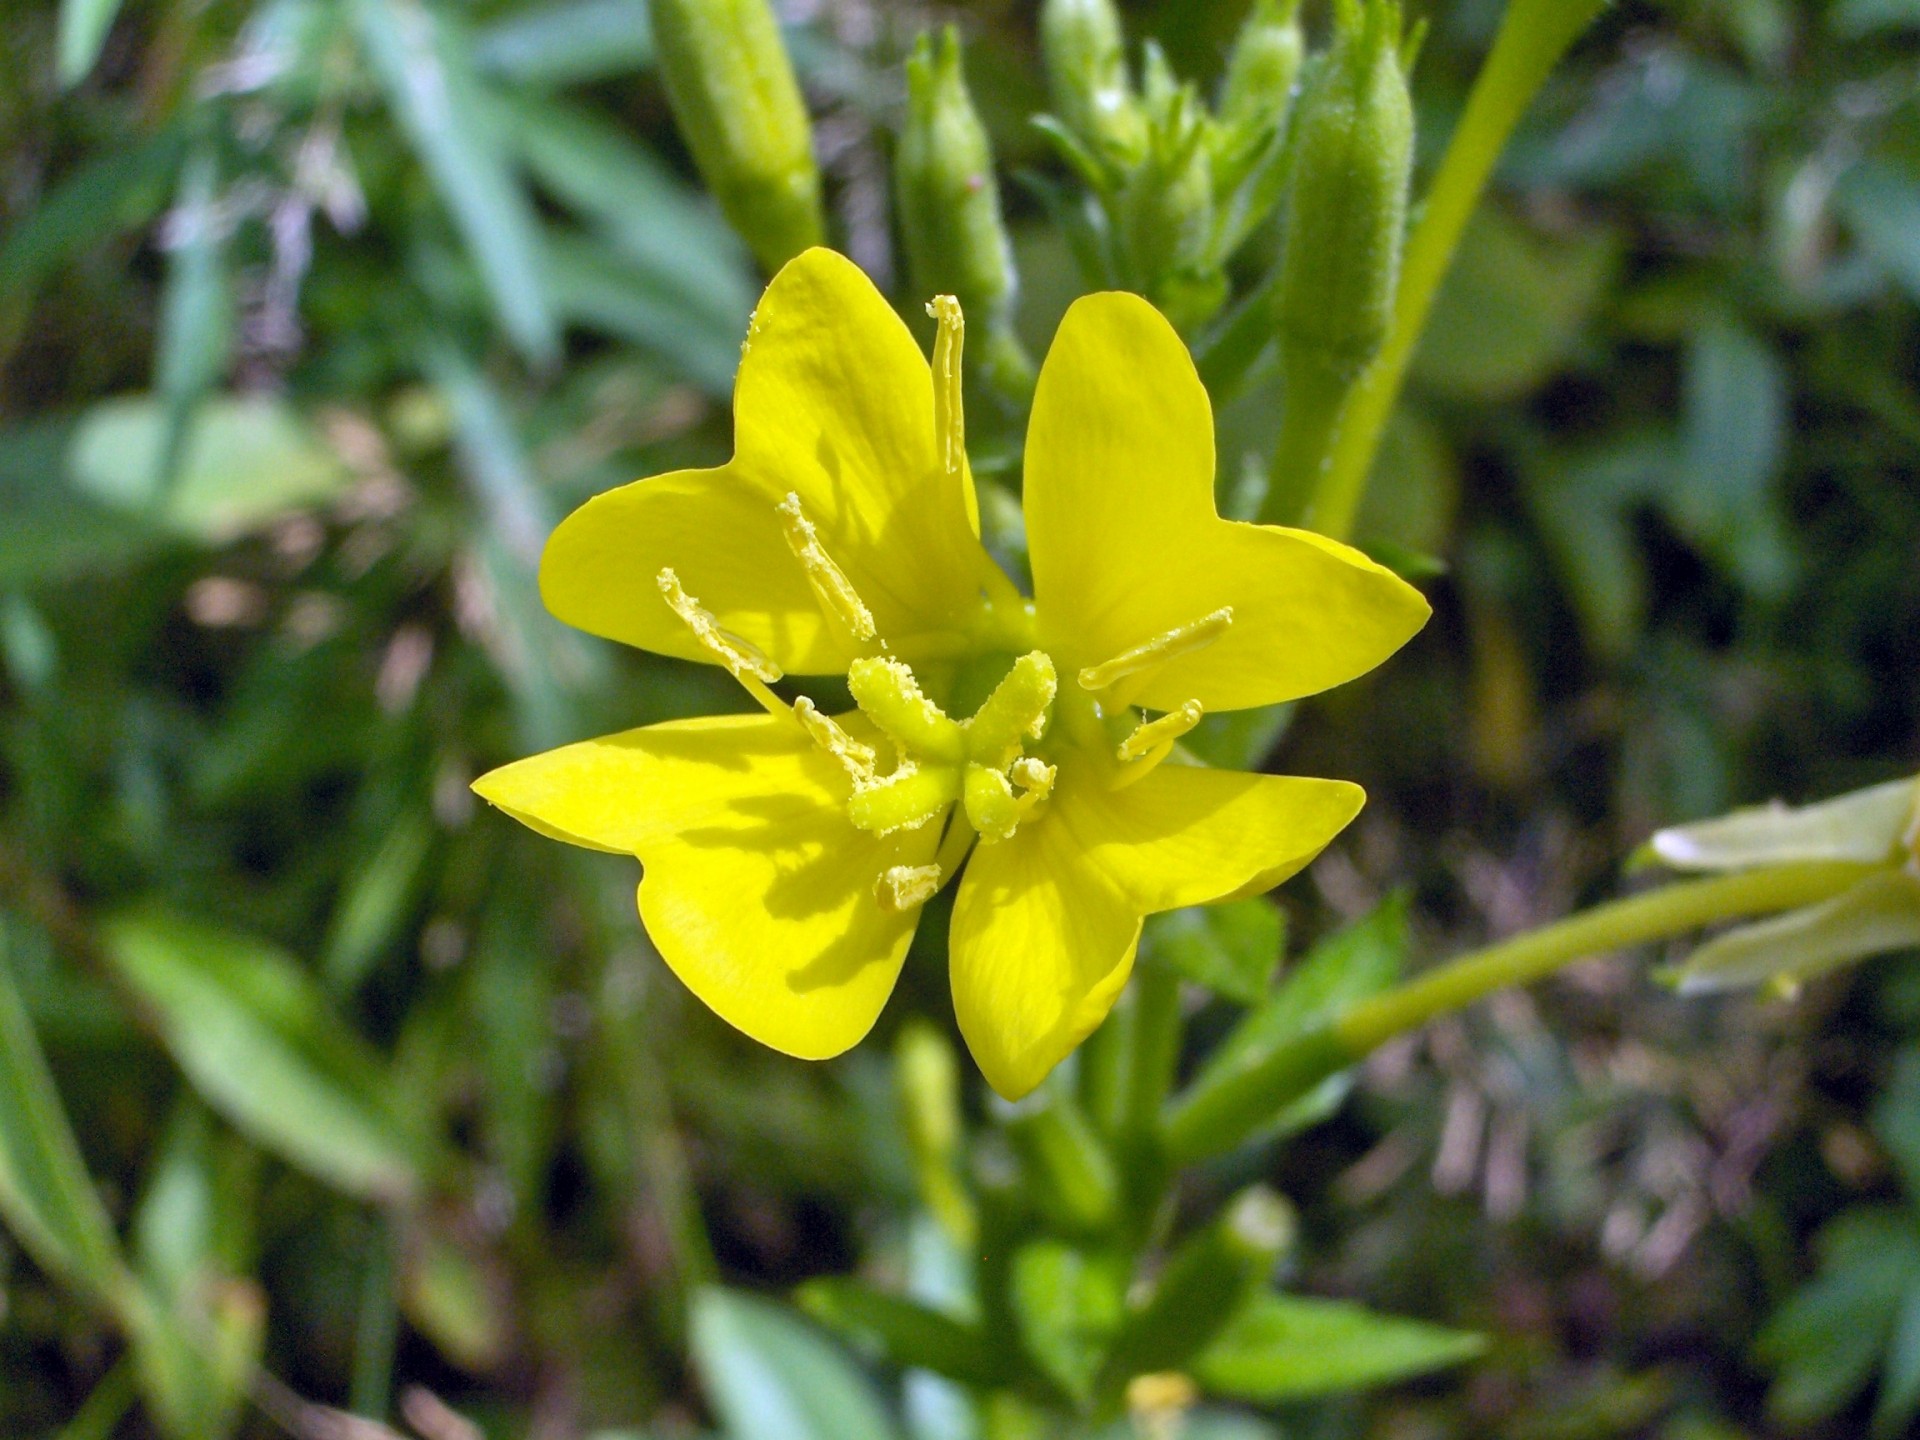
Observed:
{"x":1223,"y":1110}
{"x":1533,"y":36}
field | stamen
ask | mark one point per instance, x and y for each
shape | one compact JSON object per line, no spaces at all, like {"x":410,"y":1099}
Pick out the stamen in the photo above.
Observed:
{"x":949,"y":419}
{"x":1016,"y":711}
{"x":902,"y":887}
{"x":826,"y":732}
{"x":830,"y":584}
{"x":887,"y":691}
{"x":742,"y":658}
{"x":1181,"y":640}
{"x":1034,"y":776}
{"x":1159,"y":734}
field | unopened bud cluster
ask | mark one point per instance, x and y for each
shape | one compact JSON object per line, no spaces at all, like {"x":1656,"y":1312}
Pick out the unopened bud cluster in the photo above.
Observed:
{"x":1180,"y":185}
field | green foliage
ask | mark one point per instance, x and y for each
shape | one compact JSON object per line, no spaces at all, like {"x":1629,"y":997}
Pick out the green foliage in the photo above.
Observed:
{"x":315,"y":317}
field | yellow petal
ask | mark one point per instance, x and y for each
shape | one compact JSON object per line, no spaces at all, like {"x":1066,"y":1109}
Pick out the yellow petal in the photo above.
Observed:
{"x":1185,"y":835}
{"x":1045,"y":924}
{"x":757,"y":891}
{"x":1127,"y":544}
{"x":834,"y":403}
{"x":1042,"y":941}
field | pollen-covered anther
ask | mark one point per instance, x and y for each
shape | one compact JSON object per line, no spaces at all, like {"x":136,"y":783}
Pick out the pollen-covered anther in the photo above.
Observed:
{"x":1151,"y":654}
{"x":827,"y":733}
{"x":1035,"y":777}
{"x":830,"y":584}
{"x":742,"y":658}
{"x":904,"y":887}
{"x":1152,"y":735}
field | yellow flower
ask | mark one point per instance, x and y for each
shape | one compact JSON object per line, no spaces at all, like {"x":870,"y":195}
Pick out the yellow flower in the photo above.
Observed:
{"x":786,"y":855}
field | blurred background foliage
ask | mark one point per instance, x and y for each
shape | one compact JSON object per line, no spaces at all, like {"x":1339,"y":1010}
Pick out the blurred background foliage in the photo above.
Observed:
{"x":316,"y":314}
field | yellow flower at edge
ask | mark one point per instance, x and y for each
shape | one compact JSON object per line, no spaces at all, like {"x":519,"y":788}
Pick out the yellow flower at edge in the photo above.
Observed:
{"x":786,"y":854}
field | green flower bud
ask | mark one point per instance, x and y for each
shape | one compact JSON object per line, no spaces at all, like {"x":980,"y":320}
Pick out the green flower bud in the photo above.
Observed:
{"x":950,"y":218}
{"x":1262,"y":67}
{"x":1347,"y":209}
{"x":1085,"y":53}
{"x":1165,"y":208}
{"x":1205,"y":1283}
{"x":739,"y":107}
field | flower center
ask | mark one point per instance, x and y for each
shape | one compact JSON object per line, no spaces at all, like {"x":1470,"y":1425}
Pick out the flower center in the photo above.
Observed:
{"x":982,"y":765}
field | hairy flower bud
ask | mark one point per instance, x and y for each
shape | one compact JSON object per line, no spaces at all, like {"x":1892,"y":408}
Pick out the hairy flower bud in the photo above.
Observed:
{"x":1085,"y":53}
{"x":1263,"y":65}
{"x":739,"y":107}
{"x":950,"y":218}
{"x":1353,"y":154}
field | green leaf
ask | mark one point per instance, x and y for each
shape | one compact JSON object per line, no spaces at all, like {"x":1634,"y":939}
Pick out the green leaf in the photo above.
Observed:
{"x":597,"y":288}
{"x":46,"y":1196}
{"x":260,"y":1043}
{"x":1734,"y":431}
{"x":1823,"y":1344}
{"x":1900,"y":1382}
{"x":771,"y":1376}
{"x":1068,"y":1302}
{"x":83,"y":30}
{"x":425,"y":70}
{"x":1289,"y":1347}
{"x":122,"y":189}
{"x":196,"y":308}
{"x":247,"y":460}
{"x":566,"y":43}
{"x":1882,"y":205}
{"x":1359,"y":961}
{"x":904,"y":1332}
{"x":655,"y":220}
{"x":1231,"y":949}
{"x":374,"y":900}
{"x":1896,"y":1120}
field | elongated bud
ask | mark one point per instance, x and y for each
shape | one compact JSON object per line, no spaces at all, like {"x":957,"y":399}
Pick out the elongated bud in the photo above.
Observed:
{"x":1262,"y":68}
{"x":739,"y":107}
{"x":1348,"y":197}
{"x":1085,"y":53}
{"x":950,"y":217}
{"x":1204,"y":1284}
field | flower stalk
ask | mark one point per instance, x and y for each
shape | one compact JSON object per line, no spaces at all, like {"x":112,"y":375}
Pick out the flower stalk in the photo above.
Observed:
{"x":1221,"y":1111}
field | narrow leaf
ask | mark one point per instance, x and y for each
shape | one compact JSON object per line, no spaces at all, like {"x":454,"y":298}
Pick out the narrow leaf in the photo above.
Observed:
{"x":259,"y":1041}
{"x":427,"y":77}
{"x":83,"y":30}
{"x":1290,"y":1347}
{"x":46,"y":1197}
{"x":771,"y":1376}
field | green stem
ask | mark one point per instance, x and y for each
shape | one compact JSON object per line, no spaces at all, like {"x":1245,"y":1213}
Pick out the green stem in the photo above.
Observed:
{"x":1224,"y":1109}
{"x":1533,"y":36}
{"x":1315,"y":399}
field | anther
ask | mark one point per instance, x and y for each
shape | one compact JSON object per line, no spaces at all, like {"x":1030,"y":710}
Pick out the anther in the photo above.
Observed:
{"x":902,"y":887}
{"x":830,"y":584}
{"x":742,"y":658}
{"x":827,"y":733}
{"x":1152,"y":735}
{"x":949,"y":420}
{"x":1171,"y":644}
{"x":1033,"y":776}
